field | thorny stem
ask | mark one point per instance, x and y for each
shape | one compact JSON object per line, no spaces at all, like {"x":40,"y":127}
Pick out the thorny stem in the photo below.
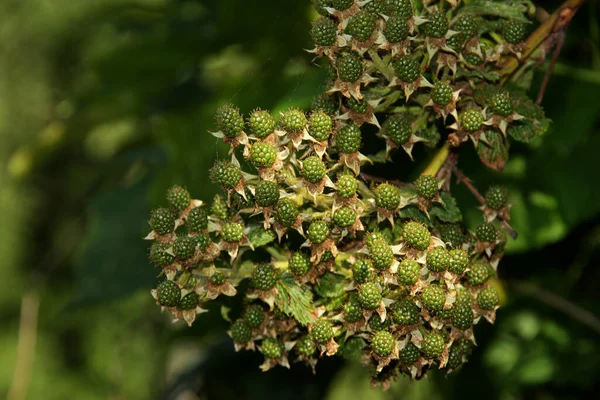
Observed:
{"x":380,"y":65}
{"x":560,"y":41}
{"x":378,"y":179}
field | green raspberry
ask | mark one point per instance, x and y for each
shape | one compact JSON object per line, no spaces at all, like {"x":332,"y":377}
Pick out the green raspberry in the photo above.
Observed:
{"x":344,"y":217}
{"x":437,"y":27}
{"x":217,"y":279}
{"x":376,"y":325}
{"x":358,"y":106}
{"x":349,"y":67}
{"x":438,"y":259}
{"x":462,"y":316}
{"x":353,"y":311}
{"x":387,"y":196}
{"x":496,"y":197}
{"x":266,"y":193}
{"x":488,"y":299}
{"x":229,"y":120}
{"x":409,"y":272}
{"x":486,"y":232}
{"x":426,"y":186}
{"x":320,"y":125}
{"x":159,"y":255}
{"x":452,"y":234}
{"x":398,"y":129}
{"x":369,"y":296}
{"x":322,"y":331}
{"x":407,"y":68}
{"x":254,"y":315}
{"x":168,"y":293}
{"x":383,"y":343}
{"x":323,"y":31}
{"x":286,"y":212}
{"x":406,"y":312}
{"x":313,"y":169}
{"x":416,"y":235}
{"x":348,"y":139}
{"x":501,"y":104}
{"x":318,"y":232}
{"x":433,"y":298}
{"x":241,"y":331}
{"x":162,"y":221}
{"x":473,"y":59}
{"x":264,"y":277}
{"x":463,"y":297}
{"x":441,"y":93}
{"x":347,"y":185}
{"x":409,"y":354}
{"x":184,"y":247}
{"x":471,"y":120}
{"x":467,"y":24}
{"x":514,"y":31}
{"x":325,"y":103}
{"x":178,"y":198}
{"x":232,"y":232}
{"x":225,"y":174}
{"x":305,"y":346}
{"x":263,"y":155}
{"x":458,"y":261}
{"x":188,"y":302}
{"x":478,"y":273}
{"x":271,"y":348}
{"x":262,"y":123}
{"x":381,"y":255}
{"x":342,"y":5}
{"x":396,"y":29}
{"x":197,"y":219}
{"x":294,"y":120}
{"x":299,"y":264}
{"x":433,"y":345}
{"x":361,"y":25}
{"x":362,"y":271}
{"x":402,"y":8}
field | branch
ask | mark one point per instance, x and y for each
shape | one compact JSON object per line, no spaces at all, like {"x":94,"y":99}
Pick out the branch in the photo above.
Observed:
{"x":372,"y":178}
{"x":438,"y":161}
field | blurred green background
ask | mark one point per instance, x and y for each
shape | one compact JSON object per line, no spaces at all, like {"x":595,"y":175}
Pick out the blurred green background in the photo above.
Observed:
{"x":105,"y":104}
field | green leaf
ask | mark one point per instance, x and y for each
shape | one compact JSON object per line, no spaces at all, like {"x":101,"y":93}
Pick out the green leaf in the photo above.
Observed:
{"x":294,"y":300}
{"x":331,"y":285}
{"x":448,"y":212}
{"x":493,"y":153}
{"x":260,"y":237}
{"x":508,"y":9}
{"x":485,"y":75}
{"x":413,"y":212}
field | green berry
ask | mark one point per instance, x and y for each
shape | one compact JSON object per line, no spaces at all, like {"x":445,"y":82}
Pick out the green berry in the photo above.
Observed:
{"x":202,"y":241}
{"x":197,"y":219}
{"x":358,"y":106}
{"x":362,"y":270}
{"x":241,"y":331}
{"x":294,"y":120}
{"x":349,"y":67}
{"x":323,"y":31}
{"x":375,"y":237}
{"x":168,"y":293}
{"x":406,"y":312}
{"x":402,"y":8}
{"x":262,"y":123}
{"x":320,"y":6}
{"x":496,"y":197}
{"x":433,"y":298}
{"x":342,"y":5}
{"x":457,"y":42}
{"x":347,"y":185}
{"x":438,"y":259}
{"x":407,"y":68}
{"x":305,"y":346}
{"x":286,"y":212}
{"x":478,"y":273}
{"x":318,"y":232}
{"x":188,"y":302}
{"x":184,"y":247}
{"x":426,"y":186}
{"x":501,"y":104}
{"x":264,"y":277}
{"x":361,"y":25}
{"x":387,"y":196}
{"x":348,"y":139}
{"x":381,"y":255}
{"x":409,"y":354}
{"x":396,"y":29}
{"x":473,"y":59}
{"x":514,"y":32}
{"x":219,"y":208}
{"x":254,"y":315}
{"x":467,"y":24}
{"x":353,"y":311}
{"x":344,"y":217}
{"x":471,"y":120}
{"x":159,"y":255}
{"x":327,"y":256}
{"x":263,"y":155}
{"x":162,"y":221}
{"x":322,"y":331}
{"x":441,"y":93}
{"x":398,"y":129}
{"x":437,"y":26}
{"x":230,"y":121}
{"x":452,"y":234}
{"x":488,"y":299}
{"x":320,"y":125}
{"x":217,"y":279}
{"x":225,"y":174}
{"x":433,"y":345}
{"x":376,"y":325}
{"x":463,"y":297}
{"x":325,"y":103}
{"x":409,"y":272}
{"x":271,"y":348}
{"x":377,"y":6}
{"x":462,"y":316}
{"x":383,"y":343}
{"x":455,"y":359}
{"x":178,"y":198}
{"x":266,"y":193}
{"x":369,"y":296}
{"x":486,"y":232}
{"x":313,"y":169}
{"x":416,"y":235}
{"x":458,"y":261}
{"x":299,"y":264}
{"x":232,"y":232}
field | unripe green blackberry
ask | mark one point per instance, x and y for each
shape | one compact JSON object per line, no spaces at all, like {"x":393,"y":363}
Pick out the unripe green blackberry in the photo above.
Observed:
{"x":471,"y":120}
{"x":406,"y":312}
{"x":376,"y":325}
{"x":456,"y":42}
{"x":254,"y":315}
{"x":383,"y":343}
{"x":229,"y":120}
{"x":402,"y":8}
{"x":342,"y":5}
{"x":438,"y":259}
{"x":433,"y":345}
{"x":322,"y":331}
{"x":279,"y":314}
{"x":348,"y":139}
{"x":514,"y":31}
{"x":369,"y":296}
{"x":407,"y":68}
{"x":409,"y":354}
{"x":387,"y":196}
{"x":377,"y":6}
{"x":325,"y":103}
{"x":202,"y":241}
{"x":454,"y":358}
{"x":361,"y":25}
{"x":353,"y":311}
{"x":478,"y":273}
{"x":441,"y":93}
{"x":462,"y":316}
{"x":396,"y":29}
{"x":437,"y":27}
{"x":286,"y":212}
{"x":219,"y":208}
{"x":416,"y":235}
{"x":467,"y":24}
{"x":496,"y":197}
{"x":188,"y":302}
{"x":178,"y":197}
{"x":299,"y":264}
{"x":318,"y":232}
{"x":501,"y":104}
{"x":264,"y":277}
{"x":320,"y":6}
{"x":159,"y":256}
{"x":362,"y":271}
{"x":184,"y":247}
{"x":168,"y":293}
{"x":452,"y":234}
{"x":398,"y":129}
{"x":232,"y":232}
{"x":358,"y":106}
{"x":347,"y":185}
{"x":323,"y":31}
{"x":162,"y":221}
{"x":488,"y":299}
{"x":486,"y":232}
{"x":313,"y":169}
{"x":463,"y":297}
{"x":266,"y":193}
{"x":459,"y":260}
{"x":320,"y":125}
{"x":382,"y":255}
{"x":293,"y":120}
{"x":241,"y":331}
{"x":433,"y":298}
{"x":349,"y":67}
{"x":225,"y":174}
{"x":271,"y":348}
{"x":305,"y":346}
{"x":262,"y":123}
{"x":197,"y":219}
{"x":473,"y":59}
{"x":263,"y":155}
{"x":375,"y":237}
{"x":409,"y":272}
{"x":344,"y":217}
{"x":426,"y":186}
{"x":443,"y":314}
{"x":217,"y":279}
